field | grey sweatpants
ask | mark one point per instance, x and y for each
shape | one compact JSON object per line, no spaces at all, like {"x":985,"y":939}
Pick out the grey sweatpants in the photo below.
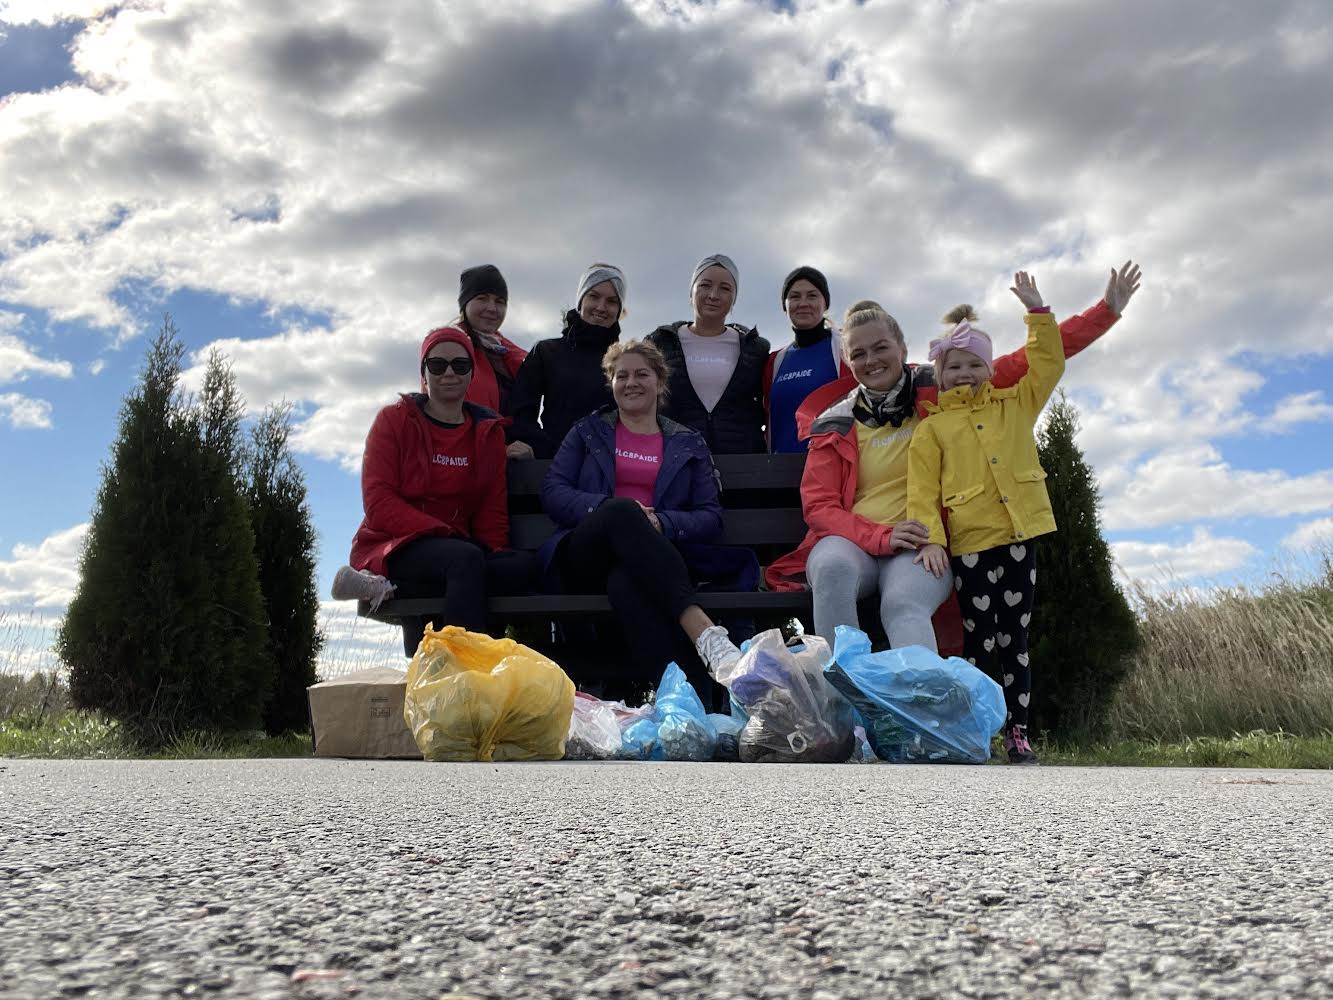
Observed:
{"x":841,"y":572}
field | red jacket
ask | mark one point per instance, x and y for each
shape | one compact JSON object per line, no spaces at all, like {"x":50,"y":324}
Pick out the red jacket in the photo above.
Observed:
{"x":485,"y":389}
{"x":395,"y":478}
{"x":828,"y":485}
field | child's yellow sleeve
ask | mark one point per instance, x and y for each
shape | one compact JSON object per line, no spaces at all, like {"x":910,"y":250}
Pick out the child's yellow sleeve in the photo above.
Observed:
{"x":924,"y":464}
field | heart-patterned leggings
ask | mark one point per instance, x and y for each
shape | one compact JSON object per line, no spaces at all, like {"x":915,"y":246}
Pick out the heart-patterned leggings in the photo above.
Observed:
{"x":995,"y":589}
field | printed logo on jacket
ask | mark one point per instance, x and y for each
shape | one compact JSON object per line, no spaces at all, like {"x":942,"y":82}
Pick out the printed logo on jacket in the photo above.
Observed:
{"x":451,"y":460}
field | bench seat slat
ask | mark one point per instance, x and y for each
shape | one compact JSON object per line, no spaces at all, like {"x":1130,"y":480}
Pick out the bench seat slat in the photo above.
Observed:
{"x":782,"y":526}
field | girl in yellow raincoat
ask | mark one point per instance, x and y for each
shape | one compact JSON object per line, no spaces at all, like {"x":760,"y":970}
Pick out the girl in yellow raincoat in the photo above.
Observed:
{"x":976,"y":458}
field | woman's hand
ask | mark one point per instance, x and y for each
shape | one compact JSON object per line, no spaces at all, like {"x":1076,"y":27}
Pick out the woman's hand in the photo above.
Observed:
{"x":520,"y":450}
{"x":652,"y":517}
{"x":908,"y":535}
{"x":1025,"y":287}
{"x":935,"y":558}
{"x":1122,"y":286}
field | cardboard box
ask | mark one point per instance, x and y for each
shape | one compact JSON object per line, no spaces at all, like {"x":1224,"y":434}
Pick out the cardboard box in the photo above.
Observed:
{"x":361,"y":715}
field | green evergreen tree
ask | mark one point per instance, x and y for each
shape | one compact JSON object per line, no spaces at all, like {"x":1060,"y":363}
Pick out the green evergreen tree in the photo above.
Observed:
{"x":285,"y":549}
{"x":165,"y":631}
{"x":1083,"y":629}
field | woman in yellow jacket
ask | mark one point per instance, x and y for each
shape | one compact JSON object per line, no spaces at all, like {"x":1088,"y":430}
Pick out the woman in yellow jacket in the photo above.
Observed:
{"x":975,"y":456}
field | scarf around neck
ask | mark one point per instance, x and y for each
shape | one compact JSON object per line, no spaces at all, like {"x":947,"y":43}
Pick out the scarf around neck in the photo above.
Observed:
{"x":892,"y":406}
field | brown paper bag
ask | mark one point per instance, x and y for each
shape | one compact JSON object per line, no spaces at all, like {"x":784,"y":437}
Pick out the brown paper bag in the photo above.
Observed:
{"x":361,"y":715}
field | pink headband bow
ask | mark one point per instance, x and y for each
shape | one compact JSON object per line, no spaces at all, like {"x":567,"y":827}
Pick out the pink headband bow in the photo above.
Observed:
{"x":963,"y":337}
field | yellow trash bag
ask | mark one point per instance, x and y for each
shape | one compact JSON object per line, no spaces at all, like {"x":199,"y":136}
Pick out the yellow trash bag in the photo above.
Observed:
{"x":471,"y":697}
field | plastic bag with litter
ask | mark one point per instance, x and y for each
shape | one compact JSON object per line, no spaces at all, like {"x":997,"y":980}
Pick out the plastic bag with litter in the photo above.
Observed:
{"x":794,"y":715}
{"x":918,"y":707}
{"x":471,"y":697}
{"x":677,"y":728}
{"x":594,"y":732}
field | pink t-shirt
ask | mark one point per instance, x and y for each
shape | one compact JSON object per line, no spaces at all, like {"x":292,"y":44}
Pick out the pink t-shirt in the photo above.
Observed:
{"x":638,"y":460}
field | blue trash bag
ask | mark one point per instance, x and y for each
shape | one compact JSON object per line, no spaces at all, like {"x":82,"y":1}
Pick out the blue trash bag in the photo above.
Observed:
{"x":918,"y":707}
{"x":678,"y":727}
{"x":794,"y":716}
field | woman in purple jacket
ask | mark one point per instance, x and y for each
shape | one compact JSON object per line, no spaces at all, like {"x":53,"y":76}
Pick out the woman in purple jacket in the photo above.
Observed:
{"x":635,"y":497}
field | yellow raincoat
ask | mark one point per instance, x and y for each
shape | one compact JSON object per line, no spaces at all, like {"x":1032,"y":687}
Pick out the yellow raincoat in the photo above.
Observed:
{"x":975,"y":455}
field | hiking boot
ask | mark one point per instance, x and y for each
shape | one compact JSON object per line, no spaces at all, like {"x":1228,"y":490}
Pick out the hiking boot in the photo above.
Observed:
{"x":1017,"y":746}
{"x":360,"y":585}
{"x":717,"y":650}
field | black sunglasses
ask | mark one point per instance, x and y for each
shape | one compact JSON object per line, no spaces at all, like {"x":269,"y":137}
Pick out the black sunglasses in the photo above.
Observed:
{"x":438,"y":366}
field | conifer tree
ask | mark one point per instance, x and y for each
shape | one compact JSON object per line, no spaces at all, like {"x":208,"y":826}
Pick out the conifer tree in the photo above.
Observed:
{"x":285,"y":550}
{"x":1083,"y":630}
{"x":165,"y":631}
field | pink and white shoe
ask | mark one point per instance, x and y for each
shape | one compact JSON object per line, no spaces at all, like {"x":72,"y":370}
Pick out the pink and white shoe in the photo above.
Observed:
{"x":1017,"y":746}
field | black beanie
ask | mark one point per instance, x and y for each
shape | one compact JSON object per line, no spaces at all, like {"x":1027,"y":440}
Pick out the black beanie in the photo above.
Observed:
{"x":815,"y":278}
{"x":484,"y":279}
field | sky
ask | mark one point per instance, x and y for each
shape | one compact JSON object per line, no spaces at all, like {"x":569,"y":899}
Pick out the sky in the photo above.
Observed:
{"x":303,"y":193}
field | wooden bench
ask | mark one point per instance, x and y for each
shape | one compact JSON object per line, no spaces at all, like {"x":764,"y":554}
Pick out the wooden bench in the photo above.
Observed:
{"x":761,"y":510}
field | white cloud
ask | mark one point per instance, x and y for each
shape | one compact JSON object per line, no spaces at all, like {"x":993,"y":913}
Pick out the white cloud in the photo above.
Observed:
{"x":1303,"y":408}
{"x":1195,"y":484}
{"x":24,"y":412}
{"x":1311,"y":536}
{"x":1203,"y":556}
{"x":43,"y":575}
{"x":18,"y":361}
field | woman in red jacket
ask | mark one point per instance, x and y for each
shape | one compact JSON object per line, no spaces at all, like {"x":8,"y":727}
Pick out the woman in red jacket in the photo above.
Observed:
{"x":433,"y":487}
{"x":854,"y":488}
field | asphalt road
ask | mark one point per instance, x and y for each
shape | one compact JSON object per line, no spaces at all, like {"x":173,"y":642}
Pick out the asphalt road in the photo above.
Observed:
{"x":239,"y":878}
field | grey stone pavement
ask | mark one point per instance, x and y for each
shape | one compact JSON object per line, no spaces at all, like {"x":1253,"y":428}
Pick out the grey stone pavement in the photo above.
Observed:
{"x":399,"y":879}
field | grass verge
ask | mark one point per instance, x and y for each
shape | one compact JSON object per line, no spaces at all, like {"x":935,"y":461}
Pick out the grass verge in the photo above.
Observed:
{"x":1256,"y":749}
{"x":89,"y":735}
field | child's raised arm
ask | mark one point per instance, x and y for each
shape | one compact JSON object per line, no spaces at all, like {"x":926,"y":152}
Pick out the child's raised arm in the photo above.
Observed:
{"x":1046,"y":358}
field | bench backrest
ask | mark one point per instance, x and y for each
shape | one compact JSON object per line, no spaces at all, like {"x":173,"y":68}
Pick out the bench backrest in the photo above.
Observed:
{"x":761,"y":503}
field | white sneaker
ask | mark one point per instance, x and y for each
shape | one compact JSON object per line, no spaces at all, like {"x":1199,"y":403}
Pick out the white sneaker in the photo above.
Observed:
{"x":717,"y":650}
{"x":360,"y":585}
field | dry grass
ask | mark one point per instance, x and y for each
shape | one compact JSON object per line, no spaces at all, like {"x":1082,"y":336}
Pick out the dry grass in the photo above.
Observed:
{"x":1233,"y":660}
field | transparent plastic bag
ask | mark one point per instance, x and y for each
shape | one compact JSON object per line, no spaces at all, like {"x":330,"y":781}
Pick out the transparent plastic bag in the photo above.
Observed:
{"x":728,"y":729}
{"x":794,"y":716}
{"x":594,"y":732}
{"x":918,"y":707}
{"x":471,"y":697}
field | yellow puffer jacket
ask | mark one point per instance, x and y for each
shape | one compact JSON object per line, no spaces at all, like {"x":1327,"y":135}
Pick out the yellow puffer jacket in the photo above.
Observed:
{"x":976,"y":457}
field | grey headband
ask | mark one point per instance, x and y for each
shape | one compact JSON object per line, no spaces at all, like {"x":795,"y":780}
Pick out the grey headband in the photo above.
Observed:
{"x":595,"y":275}
{"x":721,"y":260}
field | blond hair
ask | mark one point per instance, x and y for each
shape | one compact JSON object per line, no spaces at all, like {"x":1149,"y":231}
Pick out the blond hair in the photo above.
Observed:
{"x":868,"y":311}
{"x":648,"y":351}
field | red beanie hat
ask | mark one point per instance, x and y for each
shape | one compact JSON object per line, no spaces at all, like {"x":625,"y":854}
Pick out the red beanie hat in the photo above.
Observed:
{"x":445,"y":335}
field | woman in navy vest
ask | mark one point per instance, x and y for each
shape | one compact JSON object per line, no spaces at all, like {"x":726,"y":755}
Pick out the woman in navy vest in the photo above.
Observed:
{"x":813,"y":359}
{"x":635,"y":497}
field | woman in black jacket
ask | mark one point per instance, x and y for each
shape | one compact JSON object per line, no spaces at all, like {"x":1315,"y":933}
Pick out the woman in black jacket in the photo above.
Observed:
{"x":717,"y":368}
{"x":561,"y":379}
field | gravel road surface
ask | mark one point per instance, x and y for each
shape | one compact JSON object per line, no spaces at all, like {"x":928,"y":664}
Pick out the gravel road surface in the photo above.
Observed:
{"x":321,"y":879}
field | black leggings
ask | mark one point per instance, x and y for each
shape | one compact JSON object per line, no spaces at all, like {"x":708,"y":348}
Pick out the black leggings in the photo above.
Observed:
{"x":995,"y":594}
{"x":463,"y":573}
{"x":615,"y":549}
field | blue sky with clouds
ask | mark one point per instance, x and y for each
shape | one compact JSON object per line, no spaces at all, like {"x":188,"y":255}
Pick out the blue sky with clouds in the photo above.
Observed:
{"x":303,"y":194}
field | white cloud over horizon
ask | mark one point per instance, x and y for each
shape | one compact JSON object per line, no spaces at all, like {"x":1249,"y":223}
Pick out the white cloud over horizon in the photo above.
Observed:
{"x":345,"y":168}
